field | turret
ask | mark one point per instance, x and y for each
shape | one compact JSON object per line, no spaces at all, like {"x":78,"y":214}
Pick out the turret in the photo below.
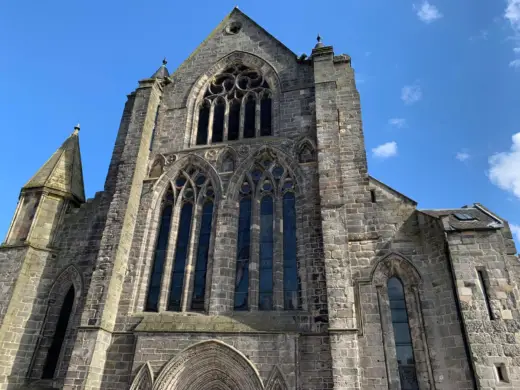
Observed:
{"x":57,"y":185}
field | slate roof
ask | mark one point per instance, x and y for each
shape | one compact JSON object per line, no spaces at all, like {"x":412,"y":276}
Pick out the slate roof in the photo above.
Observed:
{"x":162,"y":72}
{"x":483,"y":218}
{"x":63,"y":171}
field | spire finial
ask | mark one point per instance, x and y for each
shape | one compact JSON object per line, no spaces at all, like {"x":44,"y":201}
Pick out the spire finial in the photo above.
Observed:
{"x":76,"y":129}
{"x":320,"y":43}
{"x":164,"y":62}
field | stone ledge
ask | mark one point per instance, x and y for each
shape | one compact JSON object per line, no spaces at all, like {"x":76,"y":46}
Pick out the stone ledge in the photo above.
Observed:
{"x":236,"y":323}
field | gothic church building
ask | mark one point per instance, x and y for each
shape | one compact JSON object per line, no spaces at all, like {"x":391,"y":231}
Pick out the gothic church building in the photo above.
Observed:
{"x":239,"y":243}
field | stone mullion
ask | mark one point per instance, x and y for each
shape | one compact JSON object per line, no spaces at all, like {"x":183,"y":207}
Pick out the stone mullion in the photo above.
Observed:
{"x":302,"y":256}
{"x":387,"y":333}
{"x":226,"y":121}
{"x":210,"y":122}
{"x":254,"y":260}
{"x":242,"y":119}
{"x":257,"y":116}
{"x":210,"y":260}
{"x":168,"y":261}
{"x":189,"y":272}
{"x":278,"y":260}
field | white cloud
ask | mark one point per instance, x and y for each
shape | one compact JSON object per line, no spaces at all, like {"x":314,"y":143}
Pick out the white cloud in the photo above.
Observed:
{"x":385,"y":150}
{"x":462,"y":156}
{"x":427,"y":12}
{"x":411,"y":93}
{"x":512,"y":14}
{"x":504,"y":168}
{"x":515,"y":64}
{"x":515,"y":229}
{"x":397,"y":122}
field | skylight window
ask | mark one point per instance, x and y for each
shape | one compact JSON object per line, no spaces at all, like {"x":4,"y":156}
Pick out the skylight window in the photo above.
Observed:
{"x":464,"y":217}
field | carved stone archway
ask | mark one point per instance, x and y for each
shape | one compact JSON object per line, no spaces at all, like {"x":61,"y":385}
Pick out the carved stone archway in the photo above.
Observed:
{"x":209,"y":365}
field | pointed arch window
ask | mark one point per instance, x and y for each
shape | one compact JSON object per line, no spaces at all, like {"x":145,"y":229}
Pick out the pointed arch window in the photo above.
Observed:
{"x":269,"y":187}
{"x":51,"y":363}
{"x":237,"y":94}
{"x":191,"y":188}
{"x":154,"y":286}
{"x":402,"y":335}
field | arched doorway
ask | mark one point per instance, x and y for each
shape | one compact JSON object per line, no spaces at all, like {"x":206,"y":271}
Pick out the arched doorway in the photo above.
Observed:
{"x":209,"y":365}
{"x":53,"y":354}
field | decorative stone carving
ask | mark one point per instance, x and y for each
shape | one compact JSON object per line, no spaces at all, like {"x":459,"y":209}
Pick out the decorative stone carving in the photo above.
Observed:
{"x":144,"y":378}
{"x":157,"y":167}
{"x":243,"y":150}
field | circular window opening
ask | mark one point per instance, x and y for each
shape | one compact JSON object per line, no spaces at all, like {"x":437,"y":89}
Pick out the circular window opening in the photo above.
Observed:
{"x":234,"y":28}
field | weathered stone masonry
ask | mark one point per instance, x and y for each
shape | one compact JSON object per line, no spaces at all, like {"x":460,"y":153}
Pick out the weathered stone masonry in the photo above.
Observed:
{"x":76,"y":273}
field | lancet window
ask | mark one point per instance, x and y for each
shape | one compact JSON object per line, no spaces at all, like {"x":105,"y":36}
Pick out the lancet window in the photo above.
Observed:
{"x":187,"y":204}
{"x":267,"y":200}
{"x":236,"y":104}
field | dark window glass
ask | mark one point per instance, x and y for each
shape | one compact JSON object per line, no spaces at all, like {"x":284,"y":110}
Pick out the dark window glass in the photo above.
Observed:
{"x":483,"y":285}
{"x":403,"y":341}
{"x":243,"y":253}
{"x":218,"y":121}
{"x":154,"y":288}
{"x":181,"y":252}
{"x":234,"y":121}
{"x":249,"y":118}
{"x":265,"y":116}
{"x":290,"y":268}
{"x":201,"y":265}
{"x":265,"y":301}
{"x":202,"y":130}
{"x":53,"y":354}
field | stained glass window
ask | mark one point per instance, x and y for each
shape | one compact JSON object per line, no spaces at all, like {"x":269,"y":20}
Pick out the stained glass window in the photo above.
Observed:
{"x":234,"y":121}
{"x":219,"y":112}
{"x":249,"y":117}
{"x":265,"y":115}
{"x":201,"y":264}
{"x":403,"y":340}
{"x":265,"y":301}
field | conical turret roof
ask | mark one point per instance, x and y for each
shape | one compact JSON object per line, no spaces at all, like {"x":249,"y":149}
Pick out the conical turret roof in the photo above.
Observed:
{"x":63,"y":171}
{"x":162,"y":72}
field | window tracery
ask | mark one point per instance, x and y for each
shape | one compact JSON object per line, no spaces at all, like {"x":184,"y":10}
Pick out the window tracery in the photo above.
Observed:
{"x":267,"y":187}
{"x":237,"y":104}
{"x":192,"y":197}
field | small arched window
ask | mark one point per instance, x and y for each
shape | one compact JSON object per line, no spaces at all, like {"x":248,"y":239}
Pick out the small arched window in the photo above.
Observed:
{"x":228,"y":163}
{"x":154,"y":287}
{"x":402,"y":335}
{"x":236,"y":94}
{"x":51,"y":363}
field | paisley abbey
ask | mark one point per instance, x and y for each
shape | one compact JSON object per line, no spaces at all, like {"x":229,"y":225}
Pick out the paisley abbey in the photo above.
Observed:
{"x":240,"y":243}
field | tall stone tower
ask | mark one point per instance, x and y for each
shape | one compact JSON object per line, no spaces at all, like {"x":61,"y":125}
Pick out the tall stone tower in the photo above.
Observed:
{"x":240,"y":243}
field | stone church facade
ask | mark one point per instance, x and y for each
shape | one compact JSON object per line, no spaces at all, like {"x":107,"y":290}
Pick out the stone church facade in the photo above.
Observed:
{"x":240,"y":243}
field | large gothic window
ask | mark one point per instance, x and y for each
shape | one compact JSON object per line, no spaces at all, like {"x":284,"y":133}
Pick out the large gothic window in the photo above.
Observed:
{"x":232,"y":99}
{"x":192,"y":198}
{"x":267,"y":187}
{"x":402,"y":336}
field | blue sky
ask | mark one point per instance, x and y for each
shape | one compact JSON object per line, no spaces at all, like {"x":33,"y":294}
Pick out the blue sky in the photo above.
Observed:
{"x":439,"y":84}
